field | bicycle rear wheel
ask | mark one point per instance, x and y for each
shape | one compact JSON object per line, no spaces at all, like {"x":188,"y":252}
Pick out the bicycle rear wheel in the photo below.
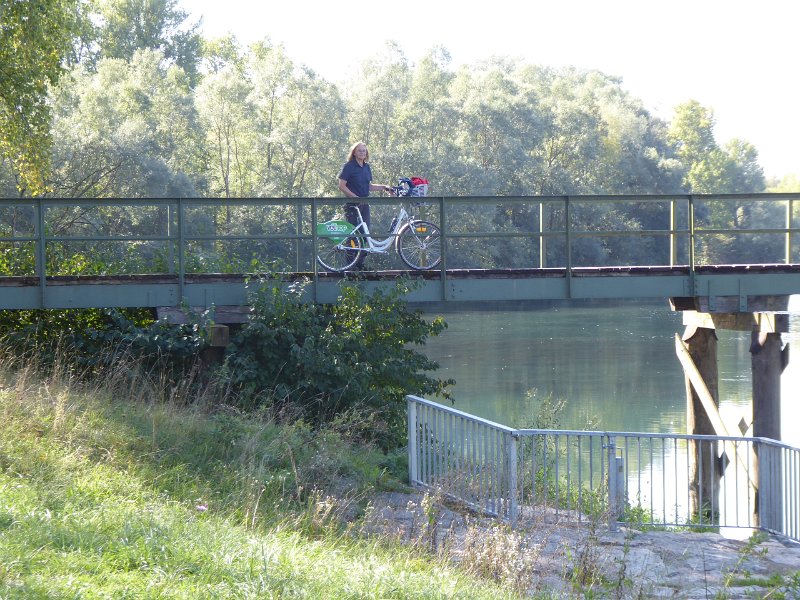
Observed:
{"x":337,"y":257}
{"x":419,"y":244}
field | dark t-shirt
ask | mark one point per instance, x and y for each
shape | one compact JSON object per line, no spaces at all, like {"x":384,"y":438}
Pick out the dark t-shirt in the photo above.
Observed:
{"x":357,"y":177}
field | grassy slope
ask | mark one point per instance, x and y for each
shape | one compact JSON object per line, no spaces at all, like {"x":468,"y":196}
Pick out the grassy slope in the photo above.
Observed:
{"x":104,"y":494}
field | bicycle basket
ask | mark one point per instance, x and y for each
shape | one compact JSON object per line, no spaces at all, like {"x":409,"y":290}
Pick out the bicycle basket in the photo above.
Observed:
{"x":419,"y":191}
{"x":416,"y":187}
{"x":336,"y":230}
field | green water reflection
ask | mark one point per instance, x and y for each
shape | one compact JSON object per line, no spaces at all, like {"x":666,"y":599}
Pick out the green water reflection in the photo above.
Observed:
{"x":613,"y":363}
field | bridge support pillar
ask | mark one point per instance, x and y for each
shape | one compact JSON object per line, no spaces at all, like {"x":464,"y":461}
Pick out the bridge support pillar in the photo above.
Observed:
{"x":704,"y":472}
{"x":218,"y":339}
{"x":768,"y":360}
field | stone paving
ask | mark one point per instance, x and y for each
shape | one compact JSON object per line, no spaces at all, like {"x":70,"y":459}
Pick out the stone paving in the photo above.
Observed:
{"x":563,"y":559}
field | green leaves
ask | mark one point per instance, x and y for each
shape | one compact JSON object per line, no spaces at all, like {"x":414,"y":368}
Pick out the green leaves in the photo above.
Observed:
{"x":317,"y":361}
{"x":35,"y":36}
{"x":709,"y":168}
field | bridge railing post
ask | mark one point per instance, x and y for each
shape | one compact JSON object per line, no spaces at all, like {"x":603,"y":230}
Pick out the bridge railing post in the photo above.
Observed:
{"x":170,"y":243}
{"x":41,"y":252}
{"x":789,"y":211}
{"x":181,"y":250}
{"x":443,"y":265}
{"x":568,"y":242}
{"x":542,"y":244}
{"x":314,"y":247}
{"x":673,"y":241}
{"x":692,"y":279}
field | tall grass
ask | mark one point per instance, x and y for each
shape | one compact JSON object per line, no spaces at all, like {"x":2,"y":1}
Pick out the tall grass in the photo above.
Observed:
{"x":122,"y":488}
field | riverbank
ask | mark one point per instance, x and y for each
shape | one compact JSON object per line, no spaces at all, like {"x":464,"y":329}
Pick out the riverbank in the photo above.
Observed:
{"x":560,"y":559}
{"x":120,"y":494}
{"x":117,"y":493}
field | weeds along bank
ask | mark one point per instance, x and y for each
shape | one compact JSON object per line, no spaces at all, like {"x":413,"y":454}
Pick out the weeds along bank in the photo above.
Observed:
{"x":108,"y":490}
{"x":297,"y":360}
{"x":126,"y":471}
{"x":130,"y":482}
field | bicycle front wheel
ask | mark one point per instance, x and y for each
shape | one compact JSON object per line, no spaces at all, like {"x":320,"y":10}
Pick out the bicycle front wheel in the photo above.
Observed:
{"x":419,"y":244}
{"x":339,"y":257}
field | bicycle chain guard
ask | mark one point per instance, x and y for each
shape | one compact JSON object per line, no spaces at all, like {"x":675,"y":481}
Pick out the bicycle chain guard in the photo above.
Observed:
{"x":336,"y":230}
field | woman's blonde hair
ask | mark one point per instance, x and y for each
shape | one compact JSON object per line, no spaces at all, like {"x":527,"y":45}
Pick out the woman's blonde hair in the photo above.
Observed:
{"x":352,"y":154}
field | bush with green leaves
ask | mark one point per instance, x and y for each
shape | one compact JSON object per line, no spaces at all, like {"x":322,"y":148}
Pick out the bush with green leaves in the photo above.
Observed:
{"x":318,"y":361}
{"x":301,"y":360}
{"x":92,"y":339}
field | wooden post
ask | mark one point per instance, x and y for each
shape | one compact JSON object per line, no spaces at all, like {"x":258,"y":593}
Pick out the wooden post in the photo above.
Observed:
{"x":704,"y":470}
{"x":768,"y":361}
{"x":218,"y":340}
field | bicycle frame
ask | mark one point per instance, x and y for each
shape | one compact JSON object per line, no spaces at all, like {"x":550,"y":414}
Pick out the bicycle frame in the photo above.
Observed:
{"x":375,"y":246}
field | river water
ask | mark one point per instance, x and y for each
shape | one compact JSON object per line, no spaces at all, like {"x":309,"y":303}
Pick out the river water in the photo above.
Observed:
{"x":614,"y":365}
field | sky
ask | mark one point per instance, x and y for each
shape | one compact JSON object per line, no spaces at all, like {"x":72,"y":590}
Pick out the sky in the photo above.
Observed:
{"x":739,"y":58}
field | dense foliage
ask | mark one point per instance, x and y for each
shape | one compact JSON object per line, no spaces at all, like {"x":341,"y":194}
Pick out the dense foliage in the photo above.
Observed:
{"x":295,"y":359}
{"x":90,"y":341}
{"x":150,"y":108}
{"x":320,"y":361}
{"x":35,"y":39}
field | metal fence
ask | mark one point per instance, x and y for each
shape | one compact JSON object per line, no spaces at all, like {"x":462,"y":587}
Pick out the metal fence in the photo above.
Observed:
{"x":641,"y":479}
{"x":202,"y":235}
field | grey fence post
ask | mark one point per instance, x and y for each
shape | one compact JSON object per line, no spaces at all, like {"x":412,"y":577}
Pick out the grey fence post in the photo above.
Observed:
{"x":619,"y":474}
{"x":413,"y":475}
{"x":613,"y":484}
{"x":513,"y":498}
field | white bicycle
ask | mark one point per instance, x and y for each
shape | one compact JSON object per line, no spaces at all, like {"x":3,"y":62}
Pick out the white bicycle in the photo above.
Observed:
{"x":417,"y":242}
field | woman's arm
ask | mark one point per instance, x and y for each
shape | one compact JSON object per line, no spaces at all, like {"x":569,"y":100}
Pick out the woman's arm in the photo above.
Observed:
{"x":346,"y":190}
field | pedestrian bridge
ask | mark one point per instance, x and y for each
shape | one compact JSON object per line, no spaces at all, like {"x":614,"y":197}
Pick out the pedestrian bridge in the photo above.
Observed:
{"x":718,"y":253}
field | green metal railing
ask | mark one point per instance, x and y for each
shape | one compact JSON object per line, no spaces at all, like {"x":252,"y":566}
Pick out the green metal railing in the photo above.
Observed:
{"x":50,"y":237}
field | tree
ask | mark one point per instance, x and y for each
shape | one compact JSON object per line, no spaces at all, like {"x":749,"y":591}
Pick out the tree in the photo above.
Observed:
{"x":747,"y":176}
{"x":381,"y":85}
{"x":271,"y":73}
{"x":308,"y":137}
{"x":422,"y":133}
{"x":714,"y":170}
{"x":35,"y":38}
{"x":128,"y":130}
{"x":131,"y":25}
{"x":225,"y":112}
{"x":709,"y":168}
{"x":221,"y":52}
{"x":499,"y":124}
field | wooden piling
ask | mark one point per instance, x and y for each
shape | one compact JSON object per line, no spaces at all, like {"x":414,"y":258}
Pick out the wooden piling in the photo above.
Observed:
{"x":768,"y":360}
{"x":704,"y":472}
{"x":698,"y":354}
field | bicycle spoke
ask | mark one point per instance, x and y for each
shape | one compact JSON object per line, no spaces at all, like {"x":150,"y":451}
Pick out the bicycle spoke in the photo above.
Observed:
{"x":420,"y":245}
{"x":335,"y":257}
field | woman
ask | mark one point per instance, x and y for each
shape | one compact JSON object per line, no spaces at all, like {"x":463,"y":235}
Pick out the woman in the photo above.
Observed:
{"x":355,"y":181}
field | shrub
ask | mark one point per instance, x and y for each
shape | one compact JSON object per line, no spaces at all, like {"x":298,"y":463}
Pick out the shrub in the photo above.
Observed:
{"x":319,"y":361}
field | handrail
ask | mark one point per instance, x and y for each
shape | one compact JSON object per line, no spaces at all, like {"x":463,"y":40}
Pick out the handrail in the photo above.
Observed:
{"x":552,"y":232}
{"x":506,"y":472}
